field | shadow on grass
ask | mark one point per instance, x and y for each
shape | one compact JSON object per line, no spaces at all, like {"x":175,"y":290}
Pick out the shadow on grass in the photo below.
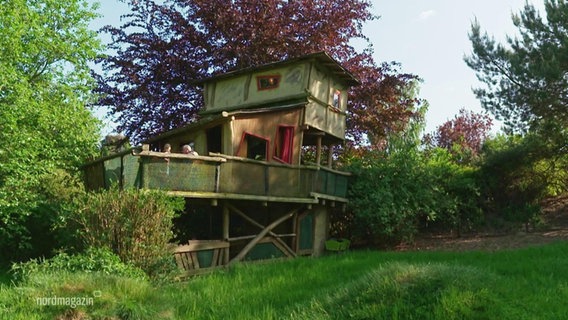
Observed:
{"x":410,"y":291}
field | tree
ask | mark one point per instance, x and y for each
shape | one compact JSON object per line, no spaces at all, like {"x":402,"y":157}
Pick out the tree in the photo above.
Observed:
{"x":525,"y":81}
{"x":464,"y":134}
{"x":149,"y":82}
{"x":45,"y":46}
{"x":527,"y":87}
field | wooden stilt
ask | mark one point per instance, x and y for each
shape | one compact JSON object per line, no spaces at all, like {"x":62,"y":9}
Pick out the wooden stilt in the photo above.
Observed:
{"x":329,"y":156}
{"x":318,"y":150}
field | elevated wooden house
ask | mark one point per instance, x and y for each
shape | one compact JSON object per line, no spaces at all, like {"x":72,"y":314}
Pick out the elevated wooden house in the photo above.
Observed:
{"x":259,"y":197}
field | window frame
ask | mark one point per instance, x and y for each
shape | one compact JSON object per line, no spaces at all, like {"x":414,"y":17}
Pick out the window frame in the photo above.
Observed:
{"x":244,"y":136}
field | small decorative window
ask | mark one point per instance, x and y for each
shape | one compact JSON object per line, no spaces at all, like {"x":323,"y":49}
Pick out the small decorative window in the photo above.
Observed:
{"x":267,"y":82}
{"x":337,"y":99}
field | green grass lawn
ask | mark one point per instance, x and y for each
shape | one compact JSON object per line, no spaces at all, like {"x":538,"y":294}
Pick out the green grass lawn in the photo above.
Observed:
{"x":528,"y":283}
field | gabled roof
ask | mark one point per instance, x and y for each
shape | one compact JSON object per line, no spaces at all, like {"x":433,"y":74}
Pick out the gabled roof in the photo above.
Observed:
{"x":321,"y":57}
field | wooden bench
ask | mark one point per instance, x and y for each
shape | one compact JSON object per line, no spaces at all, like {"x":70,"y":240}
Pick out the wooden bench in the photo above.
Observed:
{"x":200,"y":256}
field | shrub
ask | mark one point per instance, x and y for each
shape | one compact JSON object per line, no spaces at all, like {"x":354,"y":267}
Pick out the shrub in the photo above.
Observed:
{"x":40,"y":231}
{"x":392,"y":194}
{"x":136,"y":225}
{"x":518,"y":173}
{"x":456,"y":188}
{"x":99,"y":260}
{"x":387,"y":196}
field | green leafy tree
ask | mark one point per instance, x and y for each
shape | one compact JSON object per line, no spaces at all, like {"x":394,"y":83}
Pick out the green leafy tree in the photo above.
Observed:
{"x":45,"y":85}
{"x":525,"y":80}
{"x":526,"y":86}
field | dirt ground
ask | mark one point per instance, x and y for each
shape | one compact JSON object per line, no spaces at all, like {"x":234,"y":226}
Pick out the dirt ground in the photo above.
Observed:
{"x":554,"y":227}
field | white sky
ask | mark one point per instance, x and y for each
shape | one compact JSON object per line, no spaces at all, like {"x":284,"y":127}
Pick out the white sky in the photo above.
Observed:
{"x":428,"y":37}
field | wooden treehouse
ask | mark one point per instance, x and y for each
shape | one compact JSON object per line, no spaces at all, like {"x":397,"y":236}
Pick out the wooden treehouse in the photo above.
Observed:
{"x":249,"y":194}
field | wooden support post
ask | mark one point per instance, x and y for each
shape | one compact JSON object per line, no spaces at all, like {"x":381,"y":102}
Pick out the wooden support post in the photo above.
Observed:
{"x":318,"y":150}
{"x":226,"y":232}
{"x":295,"y":227}
{"x":259,"y":237}
{"x":329,"y":156}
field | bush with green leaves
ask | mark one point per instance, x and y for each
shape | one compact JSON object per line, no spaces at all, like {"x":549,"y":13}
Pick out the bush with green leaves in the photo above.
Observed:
{"x":518,"y":173}
{"x":387,"y":195}
{"x":456,"y":188}
{"x":99,"y":260}
{"x":392,"y":194}
{"x":134,"y":224}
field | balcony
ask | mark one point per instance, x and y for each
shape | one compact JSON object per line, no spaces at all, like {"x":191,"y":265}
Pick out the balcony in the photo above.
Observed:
{"x":218,"y":176}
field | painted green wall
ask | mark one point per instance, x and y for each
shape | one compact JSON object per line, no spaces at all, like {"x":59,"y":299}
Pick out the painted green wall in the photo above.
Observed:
{"x":242,"y":91}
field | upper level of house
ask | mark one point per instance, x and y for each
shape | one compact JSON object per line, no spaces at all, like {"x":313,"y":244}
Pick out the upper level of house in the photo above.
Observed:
{"x":315,"y":81}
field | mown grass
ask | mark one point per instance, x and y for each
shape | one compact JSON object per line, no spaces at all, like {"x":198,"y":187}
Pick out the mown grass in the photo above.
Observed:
{"x":520,"y":284}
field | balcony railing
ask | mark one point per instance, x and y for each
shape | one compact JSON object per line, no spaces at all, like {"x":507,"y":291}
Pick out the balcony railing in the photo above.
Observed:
{"x":215,"y":176}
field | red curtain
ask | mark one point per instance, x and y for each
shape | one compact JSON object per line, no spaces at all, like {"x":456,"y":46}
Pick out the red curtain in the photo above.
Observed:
{"x":286,"y":139}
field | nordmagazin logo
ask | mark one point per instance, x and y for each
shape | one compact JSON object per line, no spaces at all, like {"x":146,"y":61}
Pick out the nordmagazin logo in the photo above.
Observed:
{"x":72,"y":302}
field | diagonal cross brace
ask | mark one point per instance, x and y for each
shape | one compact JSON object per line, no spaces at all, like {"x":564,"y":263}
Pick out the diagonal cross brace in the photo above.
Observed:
{"x":259,"y":237}
{"x":254,"y":222}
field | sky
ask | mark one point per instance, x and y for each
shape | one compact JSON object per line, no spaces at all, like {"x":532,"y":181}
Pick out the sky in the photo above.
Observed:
{"x":429,"y":38}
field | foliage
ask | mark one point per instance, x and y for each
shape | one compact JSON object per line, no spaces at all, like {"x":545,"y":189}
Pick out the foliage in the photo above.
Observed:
{"x":518,"y":173}
{"x":457,"y":191}
{"x":511,"y":284}
{"x":134,"y":224}
{"x":163,"y":48}
{"x":526,"y":86}
{"x":403,"y":187}
{"x":392,"y":196}
{"x":92,"y":260}
{"x":463,"y":135}
{"x":45,"y":47}
{"x":390,"y":191}
{"x":387,"y":198}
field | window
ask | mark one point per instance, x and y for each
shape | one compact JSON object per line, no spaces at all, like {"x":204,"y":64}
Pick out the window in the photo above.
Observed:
{"x":214,"y":139}
{"x":337,"y":99}
{"x":267,"y":82}
{"x":256,"y":146}
{"x":284,"y":143}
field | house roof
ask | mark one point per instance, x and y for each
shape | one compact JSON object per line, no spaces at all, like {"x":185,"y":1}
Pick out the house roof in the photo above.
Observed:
{"x":321,"y":57}
{"x":218,"y":118}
